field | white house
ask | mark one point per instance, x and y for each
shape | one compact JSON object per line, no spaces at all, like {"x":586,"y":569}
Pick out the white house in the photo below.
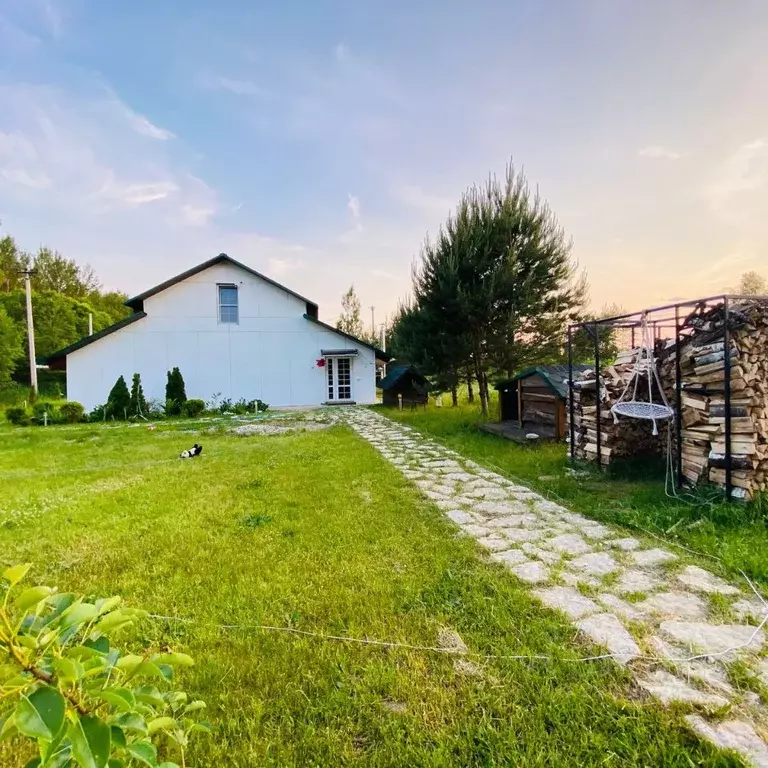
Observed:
{"x":231,"y":331}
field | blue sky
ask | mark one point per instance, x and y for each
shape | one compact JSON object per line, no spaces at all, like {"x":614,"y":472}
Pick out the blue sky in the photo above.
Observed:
{"x":320,"y":142}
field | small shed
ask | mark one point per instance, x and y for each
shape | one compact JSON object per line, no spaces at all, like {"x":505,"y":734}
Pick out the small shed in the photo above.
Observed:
{"x":404,"y":380}
{"x":536,"y":399}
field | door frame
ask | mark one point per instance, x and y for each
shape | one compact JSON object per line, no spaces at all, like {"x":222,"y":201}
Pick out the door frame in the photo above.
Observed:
{"x":331,"y":368}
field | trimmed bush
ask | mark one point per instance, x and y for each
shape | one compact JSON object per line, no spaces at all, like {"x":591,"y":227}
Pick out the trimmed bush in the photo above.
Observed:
{"x":119,"y":400}
{"x":41,"y":410}
{"x":193,"y":408}
{"x":175,"y":393}
{"x":18,"y":416}
{"x":138,"y":404}
{"x":72,"y":413}
{"x":99,"y":413}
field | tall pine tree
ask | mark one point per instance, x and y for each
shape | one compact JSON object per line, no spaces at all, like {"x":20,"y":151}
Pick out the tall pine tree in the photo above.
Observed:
{"x":498,"y":287}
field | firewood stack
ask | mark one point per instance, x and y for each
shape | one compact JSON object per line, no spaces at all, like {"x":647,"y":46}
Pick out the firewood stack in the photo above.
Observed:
{"x":702,"y":363}
{"x":619,"y":439}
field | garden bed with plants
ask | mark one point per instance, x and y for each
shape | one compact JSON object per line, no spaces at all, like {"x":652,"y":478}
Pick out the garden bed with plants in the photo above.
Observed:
{"x":123,"y":404}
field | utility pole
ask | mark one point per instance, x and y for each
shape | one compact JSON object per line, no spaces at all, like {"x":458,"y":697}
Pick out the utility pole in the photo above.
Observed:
{"x":373,"y":323}
{"x":30,"y":329}
{"x":383,"y":330}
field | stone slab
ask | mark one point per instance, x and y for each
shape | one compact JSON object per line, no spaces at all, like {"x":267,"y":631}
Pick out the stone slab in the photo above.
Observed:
{"x":621,"y":607}
{"x":650,"y":557}
{"x":575,"y":579}
{"x":678,"y":605}
{"x":493,"y":543}
{"x":762,"y":671}
{"x":605,"y":629}
{"x":568,"y":600}
{"x":633,"y":580}
{"x":595,"y":564}
{"x":670,"y":689}
{"x":477,"y":531}
{"x":713,"y":639}
{"x":596,"y":531}
{"x":737,"y":735}
{"x":704,"y":581}
{"x":531,"y":572}
{"x":508,"y":521}
{"x":519,"y":534}
{"x":540,"y":554}
{"x":627,"y":544}
{"x":569,"y":544}
{"x":750,"y":609}
{"x":509,"y":557}
{"x":460,"y":517}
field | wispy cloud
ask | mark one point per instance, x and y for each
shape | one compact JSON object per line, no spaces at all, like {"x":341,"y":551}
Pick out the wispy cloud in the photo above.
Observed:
{"x":137,"y":194}
{"x":281,"y":267}
{"x":659,"y":152}
{"x":233,"y":85}
{"x":745,"y":170}
{"x":353,"y":204}
{"x":144,"y":127}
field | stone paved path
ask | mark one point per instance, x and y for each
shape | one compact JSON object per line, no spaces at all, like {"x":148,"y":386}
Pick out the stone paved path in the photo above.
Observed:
{"x":639,"y":601}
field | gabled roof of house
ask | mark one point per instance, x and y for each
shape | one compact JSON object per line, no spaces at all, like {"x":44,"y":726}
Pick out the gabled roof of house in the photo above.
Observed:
{"x":137,"y":302}
{"x":396,"y":372}
{"x":380,"y":353}
{"x":555,"y":376}
{"x":53,"y":357}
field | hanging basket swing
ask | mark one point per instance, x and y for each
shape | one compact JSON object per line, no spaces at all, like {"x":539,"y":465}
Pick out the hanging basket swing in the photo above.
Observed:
{"x":645,"y":365}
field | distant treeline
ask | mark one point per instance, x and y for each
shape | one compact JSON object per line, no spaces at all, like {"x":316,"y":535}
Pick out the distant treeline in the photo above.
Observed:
{"x":64,"y":295}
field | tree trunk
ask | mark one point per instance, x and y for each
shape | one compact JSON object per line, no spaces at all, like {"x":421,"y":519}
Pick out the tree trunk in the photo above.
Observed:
{"x":454,"y":396}
{"x":470,"y":390}
{"x":482,"y":391}
{"x":484,"y":394}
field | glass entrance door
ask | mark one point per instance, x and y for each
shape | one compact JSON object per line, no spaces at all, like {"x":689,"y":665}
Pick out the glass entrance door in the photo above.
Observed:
{"x":339,"y":378}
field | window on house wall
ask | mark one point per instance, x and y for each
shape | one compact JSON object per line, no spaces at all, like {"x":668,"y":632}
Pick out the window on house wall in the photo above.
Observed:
{"x":228,"y":310}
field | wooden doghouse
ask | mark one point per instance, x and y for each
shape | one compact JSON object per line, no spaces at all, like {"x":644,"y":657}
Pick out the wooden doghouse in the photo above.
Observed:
{"x":404,"y":380}
{"x":535,"y":399}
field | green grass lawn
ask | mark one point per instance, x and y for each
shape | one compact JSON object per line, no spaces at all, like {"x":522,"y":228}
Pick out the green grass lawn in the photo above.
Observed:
{"x":315,"y":531}
{"x":631,"y":495}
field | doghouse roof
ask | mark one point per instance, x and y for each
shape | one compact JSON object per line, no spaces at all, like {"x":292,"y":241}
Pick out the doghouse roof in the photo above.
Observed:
{"x":555,"y":376}
{"x":396,"y":373}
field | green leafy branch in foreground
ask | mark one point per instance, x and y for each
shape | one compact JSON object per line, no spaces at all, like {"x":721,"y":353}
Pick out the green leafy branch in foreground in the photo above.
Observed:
{"x":84,"y":703}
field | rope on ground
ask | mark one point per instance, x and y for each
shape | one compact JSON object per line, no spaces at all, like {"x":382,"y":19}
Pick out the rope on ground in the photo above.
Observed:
{"x":486,"y":657}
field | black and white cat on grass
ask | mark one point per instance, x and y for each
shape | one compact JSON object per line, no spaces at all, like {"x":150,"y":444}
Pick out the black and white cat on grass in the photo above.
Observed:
{"x":195,"y":450}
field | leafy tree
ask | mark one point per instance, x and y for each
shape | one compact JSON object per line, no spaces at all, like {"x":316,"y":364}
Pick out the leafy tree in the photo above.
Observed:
{"x":583,"y":340}
{"x":12,"y":261}
{"x":138,"y":404}
{"x":753,"y":284}
{"x":54,"y":272}
{"x":11,"y":348}
{"x":175,"y":392}
{"x":119,"y":400}
{"x":81,"y":700}
{"x":112,"y":304}
{"x":350,"y":321}
{"x":64,"y":295}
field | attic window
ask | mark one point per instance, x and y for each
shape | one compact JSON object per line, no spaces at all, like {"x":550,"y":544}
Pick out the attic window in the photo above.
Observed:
{"x":228,"y":310}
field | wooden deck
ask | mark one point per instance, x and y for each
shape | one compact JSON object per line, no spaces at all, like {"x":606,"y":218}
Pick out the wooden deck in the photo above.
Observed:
{"x":511,"y":430}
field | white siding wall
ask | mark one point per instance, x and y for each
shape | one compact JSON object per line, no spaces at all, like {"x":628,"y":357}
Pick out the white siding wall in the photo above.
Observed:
{"x":271,"y":354}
